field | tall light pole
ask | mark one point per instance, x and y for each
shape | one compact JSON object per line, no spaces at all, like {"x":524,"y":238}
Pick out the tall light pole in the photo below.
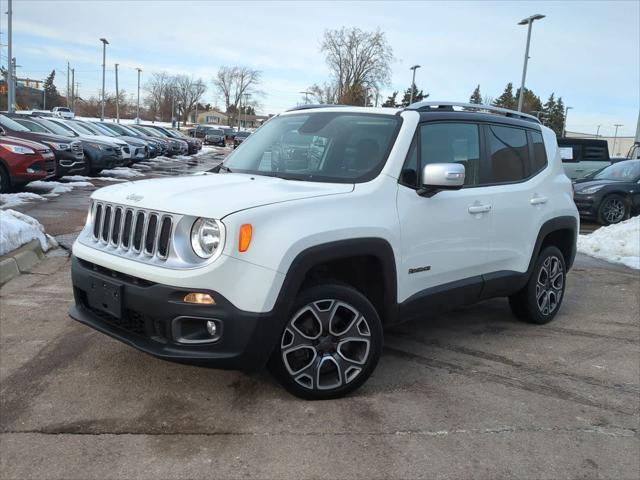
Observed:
{"x":615,"y":137}
{"x":138,"y":102}
{"x":306,"y":96}
{"x":564,"y":124}
{"x":104,"y":57}
{"x":117,"y":97}
{"x":246,"y":100}
{"x":10,"y":82}
{"x":527,"y":21}
{"x":598,"y":131}
{"x":413,"y":82}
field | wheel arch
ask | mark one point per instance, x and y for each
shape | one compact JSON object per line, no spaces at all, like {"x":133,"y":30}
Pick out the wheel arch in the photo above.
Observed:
{"x":561,"y":232}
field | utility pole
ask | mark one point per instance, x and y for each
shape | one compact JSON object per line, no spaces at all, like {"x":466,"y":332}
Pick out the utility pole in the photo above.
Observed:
{"x":44,"y":98}
{"x":527,"y":21}
{"x":68,"y":80}
{"x":138,"y":102}
{"x":246,"y":100}
{"x":598,"y":131}
{"x":73,"y":92}
{"x":615,"y":137}
{"x":10,"y":84}
{"x":104,"y":56}
{"x":117,"y":98}
{"x":413,"y":83}
{"x":564,"y":124}
{"x":306,"y":96}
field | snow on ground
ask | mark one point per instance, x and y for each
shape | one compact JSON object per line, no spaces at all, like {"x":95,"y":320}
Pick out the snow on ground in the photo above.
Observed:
{"x":56,"y":188}
{"x":17,"y":229}
{"x":618,"y":243}
{"x":122,"y":172}
{"x":11,"y":200}
{"x":80,"y":178}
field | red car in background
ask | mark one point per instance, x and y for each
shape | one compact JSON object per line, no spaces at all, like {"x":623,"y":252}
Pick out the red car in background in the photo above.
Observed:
{"x":22,"y":161}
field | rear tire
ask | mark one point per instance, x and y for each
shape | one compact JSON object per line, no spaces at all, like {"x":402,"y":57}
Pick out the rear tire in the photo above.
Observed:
{"x":540,"y":299}
{"x":330,"y":344}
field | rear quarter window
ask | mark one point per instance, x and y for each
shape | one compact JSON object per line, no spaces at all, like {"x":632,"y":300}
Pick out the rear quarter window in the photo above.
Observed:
{"x":539,"y":153}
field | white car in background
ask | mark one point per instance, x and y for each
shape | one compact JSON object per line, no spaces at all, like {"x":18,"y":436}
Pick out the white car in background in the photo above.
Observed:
{"x":63,"y":112}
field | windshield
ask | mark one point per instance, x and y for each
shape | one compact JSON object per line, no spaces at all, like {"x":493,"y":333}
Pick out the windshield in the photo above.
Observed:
{"x":214,"y":131}
{"x":243,"y":134}
{"x":91,"y":128}
{"x":12,"y":125}
{"x":625,"y":171}
{"x":57,"y":128}
{"x":320,"y":146}
{"x":80,"y":128}
{"x":33,"y":126}
{"x":104,"y":129}
{"x":120,"y":129}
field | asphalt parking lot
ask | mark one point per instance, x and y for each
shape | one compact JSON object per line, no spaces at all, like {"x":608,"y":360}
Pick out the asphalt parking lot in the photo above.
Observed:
{"x":472,"y":394}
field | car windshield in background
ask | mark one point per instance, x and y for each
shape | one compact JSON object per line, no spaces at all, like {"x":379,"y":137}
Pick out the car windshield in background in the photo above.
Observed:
{"x":625,"y":171}
{"x":33,"y":126}
{"x":12,"y":125}
{"x":243,"y":134}
{"x":320,"y":146}
{"x":81,"y":128}
{"x":214,"y":131}
{"x":57,"y":128}
{"x":94,"y":129}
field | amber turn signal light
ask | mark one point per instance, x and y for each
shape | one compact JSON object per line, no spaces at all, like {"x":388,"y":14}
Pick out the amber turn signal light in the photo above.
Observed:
{"x":200,"y":298}
{"x":245,"y":237}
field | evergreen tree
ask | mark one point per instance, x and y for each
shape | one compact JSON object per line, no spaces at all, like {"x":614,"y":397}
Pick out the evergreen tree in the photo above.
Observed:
{"x":507,"y":100}
{"x":418,"y":95}
{"x":530,"y":103}
{"x":391,"y":100}
{"x":50,"y":91}
{"x":554,"y":114}
{"x":475,"y":96}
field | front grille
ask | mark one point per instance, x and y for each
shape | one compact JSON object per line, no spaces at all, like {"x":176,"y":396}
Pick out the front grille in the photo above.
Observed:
{"x":132,"y":230}
{"x":76,"y":147}
{"x":118,"y":150}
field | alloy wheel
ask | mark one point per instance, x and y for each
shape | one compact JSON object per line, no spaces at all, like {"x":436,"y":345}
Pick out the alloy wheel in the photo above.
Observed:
{"x":549,"y":285}
{"x":613,"y":210}
{"x":326,"y":344}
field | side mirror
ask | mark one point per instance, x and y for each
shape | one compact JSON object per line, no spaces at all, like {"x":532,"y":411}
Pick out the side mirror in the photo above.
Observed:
{"x":441,"y":176}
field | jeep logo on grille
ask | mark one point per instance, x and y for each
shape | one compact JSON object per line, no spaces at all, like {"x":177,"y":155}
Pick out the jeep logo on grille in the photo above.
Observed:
{"x":134,"y":197}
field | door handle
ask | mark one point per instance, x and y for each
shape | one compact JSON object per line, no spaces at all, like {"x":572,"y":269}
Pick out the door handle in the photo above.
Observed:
{"x":536,"y":200}
{"x":473,"y":209}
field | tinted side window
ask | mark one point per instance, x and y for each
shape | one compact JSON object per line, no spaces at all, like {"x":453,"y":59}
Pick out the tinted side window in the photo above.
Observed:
{"x":539,"y":153}
{"x":509,"y":153}
{"x":452,"y":143}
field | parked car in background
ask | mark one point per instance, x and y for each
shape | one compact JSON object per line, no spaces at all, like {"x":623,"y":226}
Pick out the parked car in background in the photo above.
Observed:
{"x":168,"y":133}
{"x":122,"y":148}
{"x":239,"y":138}
{"x":155,"y":145}
{"x":138,"y":149}
{"x":195,"y":144}
{"x":610,"y":195}
{"x":229,"y":134}
{"x":63,"y":112}
{"x":215,"y":136}
{"x":69,"y":157}
{"x":583,"y":156}
{"x":22,"y":161}
{"x":98,"y":154}
{"x":175,"y":146}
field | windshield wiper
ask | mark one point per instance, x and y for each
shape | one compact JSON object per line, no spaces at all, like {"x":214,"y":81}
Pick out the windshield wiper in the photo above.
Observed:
{"x":220,"y":167}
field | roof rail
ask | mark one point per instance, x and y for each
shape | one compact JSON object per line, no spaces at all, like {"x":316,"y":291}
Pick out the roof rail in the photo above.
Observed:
{"x":314,"y":105}
{"x":450,"y":106}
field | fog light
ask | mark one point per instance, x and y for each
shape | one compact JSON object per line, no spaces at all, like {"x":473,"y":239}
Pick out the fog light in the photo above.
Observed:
{"x":211,"y":328}
{"x":200,"y":298}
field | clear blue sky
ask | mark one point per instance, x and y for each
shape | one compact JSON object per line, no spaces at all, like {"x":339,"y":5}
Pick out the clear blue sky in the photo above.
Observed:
{"x":588,"y":52}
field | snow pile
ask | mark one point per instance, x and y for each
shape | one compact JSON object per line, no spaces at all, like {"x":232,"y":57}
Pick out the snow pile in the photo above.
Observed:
{"x":16,"y":229}
{"x":619,"y":243}
{"x":122,"y":172}
{"x":80,"y":178}
{"x":56,"y":188}
{"x":11,"y":200}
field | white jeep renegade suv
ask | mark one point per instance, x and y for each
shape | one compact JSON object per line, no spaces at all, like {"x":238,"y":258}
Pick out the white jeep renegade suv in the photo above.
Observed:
{"x":325,"y":226}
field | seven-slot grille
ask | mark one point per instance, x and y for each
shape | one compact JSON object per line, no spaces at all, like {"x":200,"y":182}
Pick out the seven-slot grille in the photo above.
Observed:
{"x":76,"y":147}
{"x":132,"y":229}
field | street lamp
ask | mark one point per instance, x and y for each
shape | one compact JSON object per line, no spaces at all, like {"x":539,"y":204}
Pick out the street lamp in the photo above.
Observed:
{"x":413,"y":82}
{"x":138,"y":102}
{"x":598,"y":131}
{"x":527,"y":21}
{"x":564,"y":124}
{"x":306,"y":96}
{"x":615,"y":138}
{"x":104,"y":56}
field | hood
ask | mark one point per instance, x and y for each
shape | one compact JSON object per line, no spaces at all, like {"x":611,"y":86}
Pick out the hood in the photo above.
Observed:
{"x":106,"y":139}
{"x":214,"y":195}
{"x":137,"y":142}
{"x":23,"y":142}
{"x":584,"y":184}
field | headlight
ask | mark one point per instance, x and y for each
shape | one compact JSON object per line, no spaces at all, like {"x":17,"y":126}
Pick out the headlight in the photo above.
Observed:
{"x":590,"y":190}
{"x":17,"y":149}
{"x":205,"y":237}
{"x":58,"y":146}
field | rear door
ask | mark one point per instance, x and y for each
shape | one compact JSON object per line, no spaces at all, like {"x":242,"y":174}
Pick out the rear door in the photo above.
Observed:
{"x":445,"y":238}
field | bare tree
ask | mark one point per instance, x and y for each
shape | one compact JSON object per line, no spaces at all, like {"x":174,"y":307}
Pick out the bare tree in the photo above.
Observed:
{"x":324,"y":94}
{"x":160,"y":89}
{"x":188,"y":92}
{"x":358,"y":61}
{"x":234,"y":82}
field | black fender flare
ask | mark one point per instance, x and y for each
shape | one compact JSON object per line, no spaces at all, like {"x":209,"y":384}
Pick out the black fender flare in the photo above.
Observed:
{"x":550,"y":226}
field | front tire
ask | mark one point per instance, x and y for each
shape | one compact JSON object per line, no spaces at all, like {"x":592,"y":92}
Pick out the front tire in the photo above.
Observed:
{"x":5,"y":180}
{"x":613,"y":209}
{"x":540,"y":299}
{"x":330,"y":344}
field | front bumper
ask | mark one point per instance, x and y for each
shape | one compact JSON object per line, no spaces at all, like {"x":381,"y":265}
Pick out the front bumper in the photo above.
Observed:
{"x":149,"y":312}
{"x":587,"y":205}
{"x":69,"y":161}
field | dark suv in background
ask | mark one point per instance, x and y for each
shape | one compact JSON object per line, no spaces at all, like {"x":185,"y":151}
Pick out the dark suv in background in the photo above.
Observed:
{"x":69,"y":157}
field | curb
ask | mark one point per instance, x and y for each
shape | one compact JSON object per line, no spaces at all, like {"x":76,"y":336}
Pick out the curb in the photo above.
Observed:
{"x":20,"y":260}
